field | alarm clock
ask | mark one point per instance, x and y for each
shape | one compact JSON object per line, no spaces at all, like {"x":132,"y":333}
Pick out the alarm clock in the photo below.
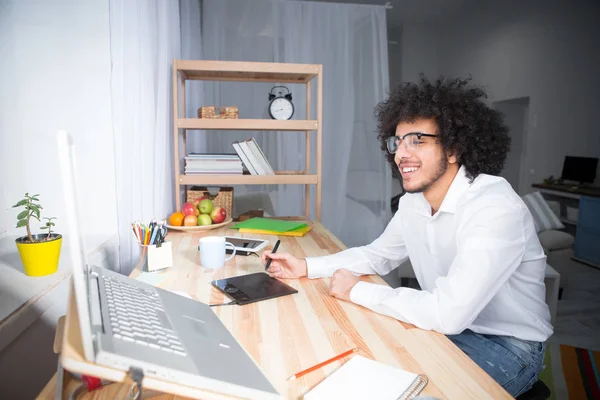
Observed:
{"x":280,"y":106}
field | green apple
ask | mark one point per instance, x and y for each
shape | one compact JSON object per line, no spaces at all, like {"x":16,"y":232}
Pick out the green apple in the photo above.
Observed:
{"x":204,"y":219}
{"x":206,"y":206}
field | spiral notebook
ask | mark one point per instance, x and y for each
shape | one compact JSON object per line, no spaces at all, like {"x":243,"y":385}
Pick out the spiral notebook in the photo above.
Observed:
{"x":363,"y":378}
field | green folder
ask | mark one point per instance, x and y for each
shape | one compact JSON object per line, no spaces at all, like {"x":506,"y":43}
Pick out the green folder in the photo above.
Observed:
{"x":267,"y":224}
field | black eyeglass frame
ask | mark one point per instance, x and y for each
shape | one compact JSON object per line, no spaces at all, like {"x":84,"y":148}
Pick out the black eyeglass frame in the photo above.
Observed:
{"x":400,"y":139}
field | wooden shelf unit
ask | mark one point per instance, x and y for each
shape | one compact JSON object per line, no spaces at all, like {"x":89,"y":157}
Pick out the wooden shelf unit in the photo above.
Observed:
{"x":247,"y":124}
{"x":240,"y":71}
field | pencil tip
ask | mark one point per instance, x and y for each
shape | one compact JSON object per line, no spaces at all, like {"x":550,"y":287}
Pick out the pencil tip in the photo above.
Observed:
{"x":291,"y":378}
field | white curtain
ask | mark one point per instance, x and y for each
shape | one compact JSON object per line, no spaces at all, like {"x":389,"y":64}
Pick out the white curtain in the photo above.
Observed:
{"x":351,"y":43}
{"x":190,"y":12}
{"x":144,"y":40}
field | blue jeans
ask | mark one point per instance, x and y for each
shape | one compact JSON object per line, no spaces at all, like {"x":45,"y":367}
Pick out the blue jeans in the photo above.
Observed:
{"x":514,"y":363}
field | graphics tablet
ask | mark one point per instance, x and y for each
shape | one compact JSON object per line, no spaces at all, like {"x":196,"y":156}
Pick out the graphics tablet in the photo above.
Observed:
{"x":253,"y":287}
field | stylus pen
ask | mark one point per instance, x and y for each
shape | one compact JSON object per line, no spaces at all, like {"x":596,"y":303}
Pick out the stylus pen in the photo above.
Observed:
{"x":274,"y":250}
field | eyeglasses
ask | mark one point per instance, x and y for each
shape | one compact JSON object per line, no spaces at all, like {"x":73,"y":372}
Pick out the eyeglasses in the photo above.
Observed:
{"x":411,"y":141}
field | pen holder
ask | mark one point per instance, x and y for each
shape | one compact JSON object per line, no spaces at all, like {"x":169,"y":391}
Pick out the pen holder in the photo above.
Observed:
{"x":156,"y":258}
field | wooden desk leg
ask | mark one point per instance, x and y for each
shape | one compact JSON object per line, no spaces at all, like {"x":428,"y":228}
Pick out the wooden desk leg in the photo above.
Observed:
{"x":58,"y":337}
{"x":60,"y":372}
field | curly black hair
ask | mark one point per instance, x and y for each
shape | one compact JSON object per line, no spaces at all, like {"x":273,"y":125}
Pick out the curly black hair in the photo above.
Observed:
{"x":468,"y":128}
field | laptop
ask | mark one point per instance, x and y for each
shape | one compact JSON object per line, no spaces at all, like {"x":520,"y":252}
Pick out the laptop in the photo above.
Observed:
{"x":127,"y":324}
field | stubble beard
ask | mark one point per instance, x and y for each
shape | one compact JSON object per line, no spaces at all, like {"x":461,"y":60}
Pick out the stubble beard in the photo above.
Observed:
{"x":441,"y":169}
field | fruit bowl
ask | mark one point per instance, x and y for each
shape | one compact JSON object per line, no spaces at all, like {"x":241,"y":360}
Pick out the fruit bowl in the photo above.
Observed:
{"x":199,"y":227}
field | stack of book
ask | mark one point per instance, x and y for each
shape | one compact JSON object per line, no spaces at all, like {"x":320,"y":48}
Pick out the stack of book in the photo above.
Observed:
{"x":253,"y":158}
{"x":213,"y":164}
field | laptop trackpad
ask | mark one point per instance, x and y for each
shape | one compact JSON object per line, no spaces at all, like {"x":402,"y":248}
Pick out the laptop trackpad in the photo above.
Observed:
{"x":195,"y":326}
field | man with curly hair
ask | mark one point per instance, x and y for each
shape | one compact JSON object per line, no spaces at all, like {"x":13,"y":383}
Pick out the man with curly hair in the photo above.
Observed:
{"x":470,"y":238}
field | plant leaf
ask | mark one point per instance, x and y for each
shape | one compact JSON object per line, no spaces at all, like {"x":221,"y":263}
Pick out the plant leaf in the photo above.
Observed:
{"x":21,"y":203}
{"x":22,"y":214}
{"x":44,"y":227}
{"x":21,"y":223}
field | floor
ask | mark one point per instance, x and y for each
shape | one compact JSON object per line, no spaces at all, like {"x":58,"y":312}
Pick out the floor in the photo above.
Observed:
{"x":578,"y":316}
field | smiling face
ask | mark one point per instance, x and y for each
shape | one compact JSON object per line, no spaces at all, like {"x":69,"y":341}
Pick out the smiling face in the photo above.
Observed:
{"x":422,"y":167}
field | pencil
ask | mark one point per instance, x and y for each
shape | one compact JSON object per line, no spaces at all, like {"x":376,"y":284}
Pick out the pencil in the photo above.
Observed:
{"x":311,"y":369}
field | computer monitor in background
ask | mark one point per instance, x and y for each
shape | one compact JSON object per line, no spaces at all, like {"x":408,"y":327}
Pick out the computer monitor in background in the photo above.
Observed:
{"x":579,"y":169}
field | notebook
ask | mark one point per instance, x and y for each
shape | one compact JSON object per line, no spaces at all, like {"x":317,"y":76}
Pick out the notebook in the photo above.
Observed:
{"x":296,"y":232}
{"x":269,"y":224}
{"x":363,"y":378}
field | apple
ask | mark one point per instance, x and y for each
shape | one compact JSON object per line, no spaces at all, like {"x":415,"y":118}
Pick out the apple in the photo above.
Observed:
{"x":197,"y":201}
{"x":206,"y":206}
{"x":190,"y":220}
{"x":204,"y":219}
{"x":218,"y":215}
{"x":189,"y":209}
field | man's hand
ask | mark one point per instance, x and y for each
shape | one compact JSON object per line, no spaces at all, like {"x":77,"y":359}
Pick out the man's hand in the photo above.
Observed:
{"x":341,"y":284}
{"x":284,"y":265}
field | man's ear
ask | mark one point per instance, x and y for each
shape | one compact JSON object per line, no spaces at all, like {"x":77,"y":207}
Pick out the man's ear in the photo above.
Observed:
{"x":452,"y":157}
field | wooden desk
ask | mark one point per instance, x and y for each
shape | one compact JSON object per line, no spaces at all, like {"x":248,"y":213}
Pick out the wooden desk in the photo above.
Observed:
{"x":288,"y":334}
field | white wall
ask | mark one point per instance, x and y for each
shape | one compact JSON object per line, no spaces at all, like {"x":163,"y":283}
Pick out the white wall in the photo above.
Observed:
{"x":544,"y":50}
{"x":54,"y":73}
{"x":419,"y":51}
{"x":394,"y":56}
{"x":516,"y":116}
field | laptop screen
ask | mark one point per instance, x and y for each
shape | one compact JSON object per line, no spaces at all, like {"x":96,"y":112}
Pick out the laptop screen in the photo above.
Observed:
{"x":74,"y":239}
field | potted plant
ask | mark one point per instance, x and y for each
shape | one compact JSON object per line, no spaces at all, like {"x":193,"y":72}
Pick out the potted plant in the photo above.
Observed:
{"x":39,"y":253}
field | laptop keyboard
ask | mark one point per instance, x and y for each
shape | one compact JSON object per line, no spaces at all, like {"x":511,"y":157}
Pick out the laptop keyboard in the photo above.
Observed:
{"x":137,"y":316}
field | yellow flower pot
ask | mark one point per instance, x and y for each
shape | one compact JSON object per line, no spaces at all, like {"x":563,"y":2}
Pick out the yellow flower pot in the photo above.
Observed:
{"x":40,"y":258}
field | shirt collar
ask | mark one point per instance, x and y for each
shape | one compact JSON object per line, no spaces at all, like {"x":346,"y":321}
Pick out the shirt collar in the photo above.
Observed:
{"x":459,"y":185}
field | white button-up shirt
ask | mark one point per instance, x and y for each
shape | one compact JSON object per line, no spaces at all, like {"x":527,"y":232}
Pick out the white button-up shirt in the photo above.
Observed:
{"x":478,"y":260}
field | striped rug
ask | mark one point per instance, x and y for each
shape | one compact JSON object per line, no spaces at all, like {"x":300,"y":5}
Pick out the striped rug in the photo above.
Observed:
{"x":572,"y":373}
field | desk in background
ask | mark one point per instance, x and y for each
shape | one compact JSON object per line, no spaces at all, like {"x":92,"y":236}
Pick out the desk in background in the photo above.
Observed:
{"x":580,"y":213}
{"x":288,"y":334}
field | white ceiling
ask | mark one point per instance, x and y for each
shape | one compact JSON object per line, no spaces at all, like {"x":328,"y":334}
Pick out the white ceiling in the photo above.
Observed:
{"x":413,"y":11}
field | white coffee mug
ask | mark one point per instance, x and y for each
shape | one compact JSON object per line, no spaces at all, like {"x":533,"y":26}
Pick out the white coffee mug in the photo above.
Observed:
{"x":212,"y":251}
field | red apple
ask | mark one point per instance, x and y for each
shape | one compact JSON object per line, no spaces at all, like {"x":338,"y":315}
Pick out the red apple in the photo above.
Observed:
{"x":190,"y":220}
{"x":189,"y":209}
{"x":218,"y":215}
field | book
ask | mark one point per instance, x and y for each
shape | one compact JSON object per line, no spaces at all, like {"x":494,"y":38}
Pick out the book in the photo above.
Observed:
{"x":276,"y":226}
{"x":253,"y":157}
{"x":260,"y":155}
{"x":219,"y":164}
{"x":295,"y":232}
{"x":244,"y":158}
{"x":363,"y":378}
